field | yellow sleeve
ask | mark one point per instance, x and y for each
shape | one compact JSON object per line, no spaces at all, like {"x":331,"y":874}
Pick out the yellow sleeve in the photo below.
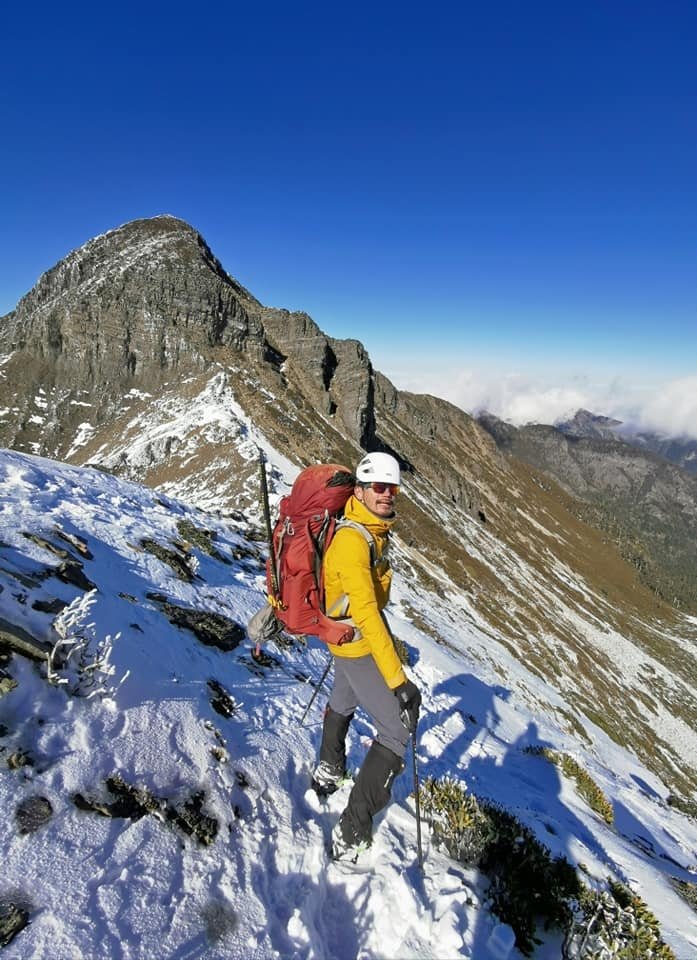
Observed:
{"x":352,"y":562}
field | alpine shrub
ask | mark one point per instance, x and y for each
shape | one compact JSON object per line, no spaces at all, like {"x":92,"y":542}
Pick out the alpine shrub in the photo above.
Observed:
{"x":614,"y":924}
{"x":401,"y":650}
{"x":525,"y":883}
{"x":456,"y":818}
{"x":587,"y":787}
{"x":688,"y":807}
{"x":687,"y":890}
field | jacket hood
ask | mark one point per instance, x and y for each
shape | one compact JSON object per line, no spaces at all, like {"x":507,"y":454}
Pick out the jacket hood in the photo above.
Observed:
{"x":355,"y":510}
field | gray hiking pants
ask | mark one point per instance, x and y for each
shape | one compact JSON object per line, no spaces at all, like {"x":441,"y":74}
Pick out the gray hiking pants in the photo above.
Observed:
{"x":358,"y":682}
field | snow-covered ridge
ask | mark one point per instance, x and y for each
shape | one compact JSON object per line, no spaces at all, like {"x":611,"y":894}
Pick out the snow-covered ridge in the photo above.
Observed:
{"x":197,"y":440}
{"x":101,"y":887}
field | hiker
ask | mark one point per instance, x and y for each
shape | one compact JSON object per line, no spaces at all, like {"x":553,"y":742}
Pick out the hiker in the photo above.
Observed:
{"x":367,"y":671}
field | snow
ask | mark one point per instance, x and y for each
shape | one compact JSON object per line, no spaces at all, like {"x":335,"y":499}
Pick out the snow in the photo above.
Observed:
{"x":82,"y":436}
{"x":102,"y":888}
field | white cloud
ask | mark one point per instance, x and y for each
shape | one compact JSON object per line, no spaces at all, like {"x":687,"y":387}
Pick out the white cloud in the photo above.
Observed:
{"x":668,"y":406}
{"x":673,"y":408}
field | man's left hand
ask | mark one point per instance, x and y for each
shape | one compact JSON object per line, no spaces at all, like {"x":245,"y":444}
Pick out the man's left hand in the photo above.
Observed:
{"x":409,"y":699}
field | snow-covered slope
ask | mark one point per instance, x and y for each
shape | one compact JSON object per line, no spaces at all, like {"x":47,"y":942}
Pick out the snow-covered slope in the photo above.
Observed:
{"x":140,"y":355}
{"x":113,"y":886}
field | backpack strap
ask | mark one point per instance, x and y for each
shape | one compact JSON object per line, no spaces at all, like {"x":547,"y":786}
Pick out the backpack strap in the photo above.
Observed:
{"x":339,"y":608}
{"x":342,"y":523}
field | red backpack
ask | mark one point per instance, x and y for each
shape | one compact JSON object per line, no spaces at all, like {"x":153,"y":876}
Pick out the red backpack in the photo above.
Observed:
{"x":303,"y":532}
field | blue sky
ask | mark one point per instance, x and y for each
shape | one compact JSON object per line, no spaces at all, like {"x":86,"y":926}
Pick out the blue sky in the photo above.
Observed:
{"x":499,"y":200}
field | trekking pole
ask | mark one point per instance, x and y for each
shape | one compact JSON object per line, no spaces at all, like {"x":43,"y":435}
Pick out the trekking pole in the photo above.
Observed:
{"x":317,"y":689}
{"x":417,"y":802}
{"x":267,"y":519}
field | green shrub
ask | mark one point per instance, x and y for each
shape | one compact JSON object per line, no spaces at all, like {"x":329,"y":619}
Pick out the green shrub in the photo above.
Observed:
{"x":528,"y":886}
{"x":456,"y":818}
{"x":587,"y":787}
{"x":688,"y":807}
{"x":525,"y":883}
{"x":688,"y":891}
{"x":401,"y":650}
{"x":614,"y":924}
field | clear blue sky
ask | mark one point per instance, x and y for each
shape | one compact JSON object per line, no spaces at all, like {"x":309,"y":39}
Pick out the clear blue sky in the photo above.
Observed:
{"x":509,"y":187}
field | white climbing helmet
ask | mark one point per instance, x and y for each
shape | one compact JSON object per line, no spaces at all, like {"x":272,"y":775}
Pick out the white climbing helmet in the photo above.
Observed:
{"x":380,"y":467}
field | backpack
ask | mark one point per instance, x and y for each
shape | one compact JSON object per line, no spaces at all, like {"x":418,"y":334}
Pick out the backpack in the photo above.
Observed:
{"x":308,"y":520}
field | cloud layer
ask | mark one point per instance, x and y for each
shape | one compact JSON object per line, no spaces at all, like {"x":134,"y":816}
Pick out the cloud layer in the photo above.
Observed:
{"x":668,"y":407}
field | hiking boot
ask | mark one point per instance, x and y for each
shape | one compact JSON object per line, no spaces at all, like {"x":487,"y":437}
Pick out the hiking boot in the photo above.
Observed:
{"x":327,"y":778}
{"x":346,"y":845}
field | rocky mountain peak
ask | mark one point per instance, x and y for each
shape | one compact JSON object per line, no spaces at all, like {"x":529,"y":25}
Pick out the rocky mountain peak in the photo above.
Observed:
{"x":122,"y":314}
{"x":145,"y":246}
{"x":587,"y":424}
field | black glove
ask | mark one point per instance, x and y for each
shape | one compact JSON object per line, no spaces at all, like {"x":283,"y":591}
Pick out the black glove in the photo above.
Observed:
{"x":409,"y":703}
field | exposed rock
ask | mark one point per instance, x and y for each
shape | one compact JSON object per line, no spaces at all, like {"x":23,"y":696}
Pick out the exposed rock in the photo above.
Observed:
{"x":121,"y":313}
{"x":75,"y":541}
{"x":70,"y":571}
{"x":133,"y":802}
{"x":680,"y":450}
{"x":198,"y":537}
{"x":47,"y":545}
{"x":13,"y":919}
{"x":28,"y":580}
{"x":19,"y":640}
{"x":54,"y":605}
{"x":190,"y":817}
{"x":221,"y":699}
{"x":213,"y":629}
{"x":646,"y":504}
{"x":590,"y":425}
{"x":19,"y":759}
{"x":7,"y":683}
{"x":178,"y":562}
{"x":337,"y":374}
{"x":32,"y":813}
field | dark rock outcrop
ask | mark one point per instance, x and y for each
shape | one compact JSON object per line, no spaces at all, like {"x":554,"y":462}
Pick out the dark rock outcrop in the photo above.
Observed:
{"x":32,"y":813}
{"x":212,"y":629}
{"x":13,"y":919}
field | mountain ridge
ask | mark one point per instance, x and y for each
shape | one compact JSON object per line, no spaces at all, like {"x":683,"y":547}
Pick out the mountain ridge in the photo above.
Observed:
{"x":645,"y":503}
{"x":216,"y":376}
{"x":679,"y":449}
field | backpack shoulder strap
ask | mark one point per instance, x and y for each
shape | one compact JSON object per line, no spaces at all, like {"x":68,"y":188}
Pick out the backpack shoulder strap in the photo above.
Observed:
{"x":343,"y":523}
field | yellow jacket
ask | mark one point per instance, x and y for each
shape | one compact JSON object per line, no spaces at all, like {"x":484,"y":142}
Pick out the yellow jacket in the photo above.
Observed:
{"x":348,"y":572}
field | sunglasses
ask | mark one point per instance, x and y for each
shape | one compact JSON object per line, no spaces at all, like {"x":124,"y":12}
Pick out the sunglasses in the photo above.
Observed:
{"x":391,"y":488}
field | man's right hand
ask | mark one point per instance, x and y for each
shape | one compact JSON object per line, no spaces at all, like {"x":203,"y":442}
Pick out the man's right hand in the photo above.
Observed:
{"x":409,"y":702}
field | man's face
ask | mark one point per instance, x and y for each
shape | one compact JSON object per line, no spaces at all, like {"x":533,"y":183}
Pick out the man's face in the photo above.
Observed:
{"x":380,"y":501}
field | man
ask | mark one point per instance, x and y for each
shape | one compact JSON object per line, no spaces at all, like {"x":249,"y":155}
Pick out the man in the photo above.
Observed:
{"x":367,"y":671}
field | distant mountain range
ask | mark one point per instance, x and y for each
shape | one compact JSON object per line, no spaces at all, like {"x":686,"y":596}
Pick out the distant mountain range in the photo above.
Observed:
{"x":642,"y":501}
{"x":140,"y":355}
{"x":681,"y":450}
